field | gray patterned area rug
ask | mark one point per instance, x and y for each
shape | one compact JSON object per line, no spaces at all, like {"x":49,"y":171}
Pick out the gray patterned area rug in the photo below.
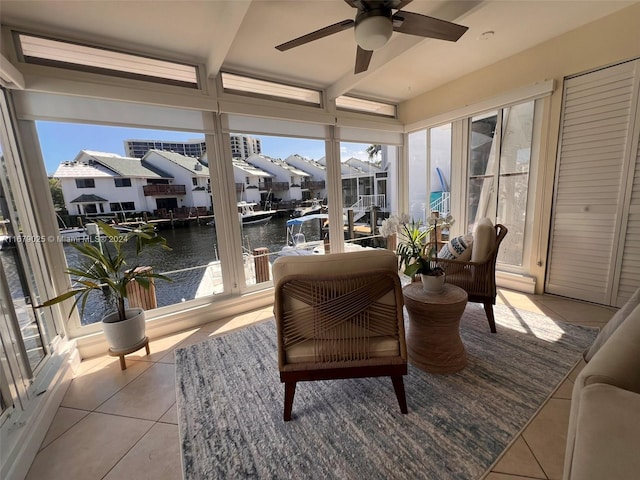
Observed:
{"x":230,"y":402}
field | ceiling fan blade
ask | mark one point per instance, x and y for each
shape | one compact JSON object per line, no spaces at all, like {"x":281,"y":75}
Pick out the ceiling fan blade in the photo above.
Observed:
{"x":399,"y":4}
{"x":363,"y":57}
{"x":310,"y":37}
{"x":423,"y":26}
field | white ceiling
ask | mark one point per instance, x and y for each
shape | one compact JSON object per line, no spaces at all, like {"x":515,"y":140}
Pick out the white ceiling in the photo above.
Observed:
{"x":240,"y":35}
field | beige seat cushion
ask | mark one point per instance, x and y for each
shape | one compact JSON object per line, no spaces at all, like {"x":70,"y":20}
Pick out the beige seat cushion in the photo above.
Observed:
{"x":336,"y":263}
{"x":484,"y":239}
{"x":607,"y":436}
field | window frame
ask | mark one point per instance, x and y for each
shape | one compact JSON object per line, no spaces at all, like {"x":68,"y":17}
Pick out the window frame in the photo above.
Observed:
{"x":85,"y":183}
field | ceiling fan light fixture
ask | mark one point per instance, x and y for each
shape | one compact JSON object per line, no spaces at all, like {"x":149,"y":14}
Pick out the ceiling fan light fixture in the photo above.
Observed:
{"x":373,"y":32}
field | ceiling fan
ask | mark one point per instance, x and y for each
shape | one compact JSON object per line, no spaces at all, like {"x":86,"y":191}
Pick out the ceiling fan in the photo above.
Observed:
{"x":374,"y":25}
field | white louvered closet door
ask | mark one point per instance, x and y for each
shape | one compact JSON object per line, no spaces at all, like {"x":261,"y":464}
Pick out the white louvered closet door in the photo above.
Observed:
{"x":595,"y":232}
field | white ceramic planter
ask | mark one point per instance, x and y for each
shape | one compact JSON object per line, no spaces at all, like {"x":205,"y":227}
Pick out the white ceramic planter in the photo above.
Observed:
{"x":127,"y":333}
{"x":432,"y":283}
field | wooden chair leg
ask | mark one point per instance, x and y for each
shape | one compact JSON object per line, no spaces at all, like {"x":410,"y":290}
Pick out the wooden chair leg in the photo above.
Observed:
{"x":488,"y":308}
{"x":398,"y":386}
{"x":289,"y":392}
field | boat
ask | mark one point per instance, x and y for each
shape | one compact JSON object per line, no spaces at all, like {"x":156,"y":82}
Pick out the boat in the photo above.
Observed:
{"x":80,"y":234}
{"x":309,"y":207}
{"x":249,"y":216}
{"x":297,"y":243}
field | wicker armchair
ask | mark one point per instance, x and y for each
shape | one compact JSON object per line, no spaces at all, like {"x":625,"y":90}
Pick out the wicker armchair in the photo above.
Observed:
{"x":339,"y":316}
{"x":478,"y":278}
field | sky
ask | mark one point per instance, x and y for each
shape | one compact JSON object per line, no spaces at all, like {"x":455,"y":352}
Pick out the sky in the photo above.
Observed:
{"x":62,"y":142}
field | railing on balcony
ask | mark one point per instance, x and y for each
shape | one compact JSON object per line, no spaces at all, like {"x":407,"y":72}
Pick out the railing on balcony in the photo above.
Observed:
{"x":365,"y":203}
{"x":313,"y":185}
{"x":153,"y":190}
{"x":441,"y":204}
{"x":274,"y":186}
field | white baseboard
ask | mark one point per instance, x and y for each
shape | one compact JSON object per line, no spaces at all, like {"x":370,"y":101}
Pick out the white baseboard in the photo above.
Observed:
{"x":519,"y":283}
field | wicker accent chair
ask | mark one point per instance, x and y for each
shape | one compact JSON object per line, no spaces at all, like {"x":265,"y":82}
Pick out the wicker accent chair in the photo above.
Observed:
{"x":478,"y":276}
{"x":339,"y":316}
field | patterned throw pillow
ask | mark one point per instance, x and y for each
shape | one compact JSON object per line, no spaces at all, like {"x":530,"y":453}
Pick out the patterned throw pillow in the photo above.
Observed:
{"x":458,"y":248}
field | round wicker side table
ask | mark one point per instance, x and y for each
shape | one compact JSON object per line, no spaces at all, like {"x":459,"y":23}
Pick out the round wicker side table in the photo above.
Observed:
{"x":433,"y":338}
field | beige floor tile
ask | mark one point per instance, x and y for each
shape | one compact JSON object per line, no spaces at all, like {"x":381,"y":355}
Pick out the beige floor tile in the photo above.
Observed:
{"x":155,"y":457}
{"x":88,"y":364}
{"x":171,"y":415}
{"x":579,"y":313}
{"x":65,"y":419}
{"x":95,"y":386}
{"x":89,"y":449}
{"x":505,"y":476}
{"x":546,"y":436}
{"x":518,"y":460}
{"x":518,"y":300}
{"x":160,"y":347}
{"x":149,"y":396}
{"x":564,"y":390}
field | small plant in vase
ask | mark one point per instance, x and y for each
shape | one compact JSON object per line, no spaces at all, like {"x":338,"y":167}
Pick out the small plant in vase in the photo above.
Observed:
{"x":105,"y":268}
{"x":417,"y":248}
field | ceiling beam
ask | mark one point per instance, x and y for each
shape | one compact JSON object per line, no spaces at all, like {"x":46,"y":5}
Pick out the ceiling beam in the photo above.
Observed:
{"x":400,"y":45}
{"x":229,"y":19}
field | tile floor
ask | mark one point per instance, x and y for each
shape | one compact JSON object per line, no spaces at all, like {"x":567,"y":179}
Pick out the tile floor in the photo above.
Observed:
{"x":135,"y":411}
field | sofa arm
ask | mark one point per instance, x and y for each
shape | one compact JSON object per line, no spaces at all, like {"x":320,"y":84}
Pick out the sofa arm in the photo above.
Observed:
{"x":607,"y":435}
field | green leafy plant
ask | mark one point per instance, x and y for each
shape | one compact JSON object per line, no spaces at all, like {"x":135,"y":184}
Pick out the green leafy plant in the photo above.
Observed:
{"x":105,"y":267}
{"x":416,"y":248}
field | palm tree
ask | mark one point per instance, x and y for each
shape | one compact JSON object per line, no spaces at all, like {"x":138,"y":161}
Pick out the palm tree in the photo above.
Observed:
{"x":373,"y":150}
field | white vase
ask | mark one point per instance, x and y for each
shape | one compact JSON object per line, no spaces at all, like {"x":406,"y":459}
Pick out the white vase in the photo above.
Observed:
{"x":433,"y":283}
{"x":122,"y":335}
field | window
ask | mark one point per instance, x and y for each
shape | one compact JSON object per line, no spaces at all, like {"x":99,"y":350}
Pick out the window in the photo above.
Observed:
{"x":274,"y":200}
{"x":122,"y":206}
{"x":193,"y":264}
{"x":430,"y":172}
{"x":440,"y":170}
{"x":494,"y":174}
{"x":194,"y":182}
{"x":345,"y":102}
{"x":266,"y":89}
{"x":85,"y":183}
{"x":368,"y":175}
{"x":499,"y":162}
{"x":122,"y":182}
{"x":47,"y":51}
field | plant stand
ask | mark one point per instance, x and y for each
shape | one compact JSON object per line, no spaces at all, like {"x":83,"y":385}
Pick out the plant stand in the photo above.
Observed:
{"x":121,"y":353}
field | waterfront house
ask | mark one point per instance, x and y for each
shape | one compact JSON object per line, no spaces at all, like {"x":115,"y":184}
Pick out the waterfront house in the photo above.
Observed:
{"x":316,"y":185}
{"x":251,"y":182}
{"x":106,"y":184}
{"x":530,"y":79}
{"x":190,"y":189}
{"x":286,"y":181}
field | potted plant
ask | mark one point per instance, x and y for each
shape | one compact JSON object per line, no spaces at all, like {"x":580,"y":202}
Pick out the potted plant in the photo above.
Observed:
{"x":417,"y":248}
{"x":105,"y":268}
